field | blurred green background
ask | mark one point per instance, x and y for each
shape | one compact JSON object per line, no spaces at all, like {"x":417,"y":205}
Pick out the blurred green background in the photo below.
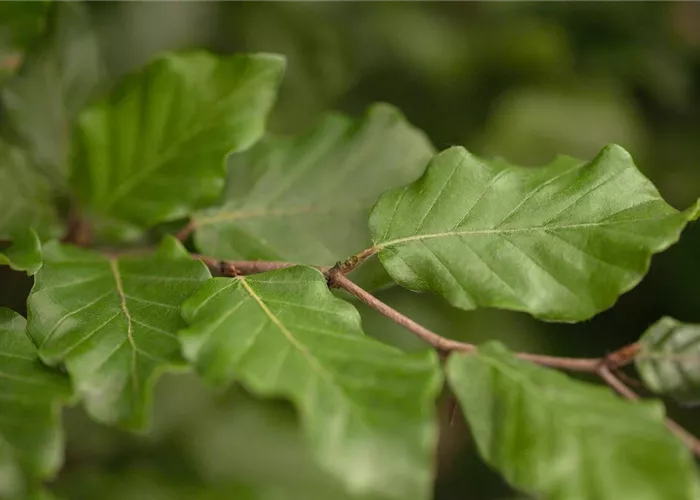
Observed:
{"x":525,"y":81}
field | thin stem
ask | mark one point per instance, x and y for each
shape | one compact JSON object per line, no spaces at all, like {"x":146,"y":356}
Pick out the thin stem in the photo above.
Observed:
{"x":623,"y":356}
{"x":243,"y":267}
{"x":619,"y":386}
{"x":353,"y":262}
{"x":588,"y":365}
{"x":186,"y":231}
{"x":338,"y":280}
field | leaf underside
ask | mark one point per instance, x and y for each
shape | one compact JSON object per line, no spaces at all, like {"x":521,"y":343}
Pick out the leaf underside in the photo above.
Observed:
{"x":365,"y":407}
{"x":112,"y":321}
{"x":669,"y":361}
{"x":31,"y":440}
{"x":306,"y":199}
{"x":155,"y":148}
{"x":561,"y":242}
{"x":562,"y":439}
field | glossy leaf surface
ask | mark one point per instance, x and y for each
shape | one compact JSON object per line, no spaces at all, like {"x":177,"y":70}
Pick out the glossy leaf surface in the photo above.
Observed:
{"x":155,"y":148}
{"x":561,"y":439}
{"x":112,"y":321}
{"x":561,"y":242}
{"x":366,"y":408}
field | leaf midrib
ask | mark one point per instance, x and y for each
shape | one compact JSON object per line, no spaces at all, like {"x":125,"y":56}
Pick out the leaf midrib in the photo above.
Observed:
{"x":114,"y":266}
{"x":482,"y":232}
{"x":170,"y":152}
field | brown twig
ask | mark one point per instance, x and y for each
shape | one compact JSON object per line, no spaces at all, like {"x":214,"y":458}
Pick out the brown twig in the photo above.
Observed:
{"x":186,"y":231}
{"x":337,"y":279}
{"x":335,"y":275}
{"x":243,"y":267}
{"x":619,"y":386}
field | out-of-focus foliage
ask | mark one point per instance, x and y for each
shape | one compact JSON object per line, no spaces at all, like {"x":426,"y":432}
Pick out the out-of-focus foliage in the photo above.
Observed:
{"x":525,"y":81}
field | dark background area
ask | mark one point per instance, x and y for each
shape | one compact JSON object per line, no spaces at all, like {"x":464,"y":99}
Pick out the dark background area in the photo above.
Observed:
{"x":525,"y":81}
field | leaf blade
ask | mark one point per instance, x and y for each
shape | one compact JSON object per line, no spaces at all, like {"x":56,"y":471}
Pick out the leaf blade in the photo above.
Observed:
{"x":154,"y":150}
{"x":30,"y":434}
{"x":294,"y":338}
{"x":25,"y":253}
{"x":669,"y":360}
{"x":25,"y":196}
{"x":563,"y":439}
{"x":560,"y":242}
{"x":97,"y":315}
{"x":305,"y":199}
{"x":61,"y":75}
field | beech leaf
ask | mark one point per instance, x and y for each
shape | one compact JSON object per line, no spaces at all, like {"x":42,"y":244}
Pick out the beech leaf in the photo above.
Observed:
{"x":669,"y":360}
{"x":366,"y":408}
{"x":24,"y":254}
{"x":31,"y":441}
{"x":155,"y":148}
{"x":112,"y":321}
{"x":561,"y":242}
{"x":305,"y":199}
{"x":562,"y":439}
{"x":25,"y":196}
{"x":59,"y":76}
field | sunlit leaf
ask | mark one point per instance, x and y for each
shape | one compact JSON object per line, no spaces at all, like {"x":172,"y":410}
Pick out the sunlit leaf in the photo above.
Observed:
{"x":155,"y":148}
{"x":669,"y":360}
{"x":561,"y":242}
{"x":562,"y":439}
{"x":112,"y":321}
{"x":31,"y":443}
{"x":56,"y":80}
{"x":25,"y":196}
{"x":24,"y":254}
{"x":366,"y":408}
{"x":306,"y":199}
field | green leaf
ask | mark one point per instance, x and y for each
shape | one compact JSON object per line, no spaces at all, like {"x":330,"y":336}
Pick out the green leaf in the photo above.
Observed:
{"x":25,"y":253}
{"x":366,"y":408}
{"x":21,"y":23}
{"x":558,"y":438}
{"x":54,"y":84}
{"x":155,"y":149}
{"x":25,"y":196}
{"x":31,"y":442}
{"x":669,"y":360}
{"x":306,"y":199}
{"x":561,"y":242}
{"x":112,"y":321}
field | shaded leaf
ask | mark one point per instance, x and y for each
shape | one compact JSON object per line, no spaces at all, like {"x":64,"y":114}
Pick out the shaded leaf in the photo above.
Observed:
{"x":55,"y":82}
{"x":560,"y":242}
{"x":558,"y":438}
{"x":24,"y":254}
{"x":306,"y":199}
{"x":365,"y":407}
{"x":112,"y":321}
{"x":31,"y":442}
{"x":669,"y":360}
{"x":21,"y":23}
{"x":155,"y":149}
{"x":25,"y":196}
